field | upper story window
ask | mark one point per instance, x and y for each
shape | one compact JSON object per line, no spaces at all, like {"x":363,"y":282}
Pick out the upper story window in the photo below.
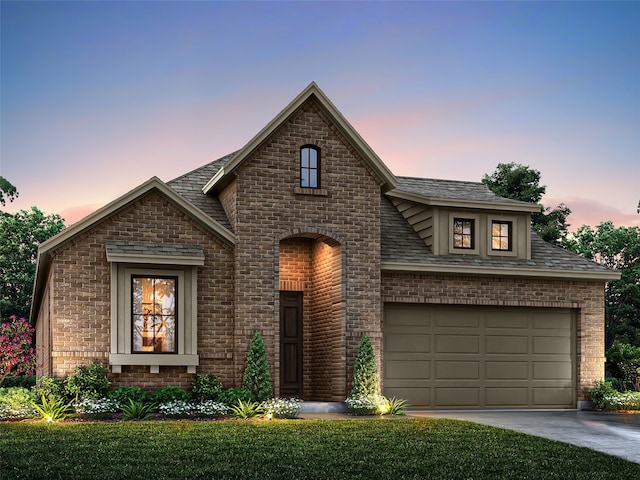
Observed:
{"x":464,"y":233}
{"x":501,"y":235}
{"x":153,"y":314}
{"x":309,"y":167}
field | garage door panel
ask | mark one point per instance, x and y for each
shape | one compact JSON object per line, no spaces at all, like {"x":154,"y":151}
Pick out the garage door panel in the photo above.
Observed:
{"x":552,"y":345}
{"x":507,"y":370}
{"x":457,"y":370}
{"x":401,"y":342}
{"x":507,"y":396}
{"x":506,"y":344}
{"x":552,"y":371}
{"x":408,"y":369}
{"x":457,"y":343}
{"x":457,"y":397}
{"x":480,"y":357}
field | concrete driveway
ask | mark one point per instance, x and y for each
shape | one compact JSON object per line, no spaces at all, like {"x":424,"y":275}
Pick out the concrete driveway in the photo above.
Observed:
{"x":613,"y":433}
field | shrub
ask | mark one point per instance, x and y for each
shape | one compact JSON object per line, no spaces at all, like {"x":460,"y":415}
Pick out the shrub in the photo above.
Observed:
{"x":24,"y":381}
{"x":16,"y":403}
{"x":366,"y":381}
{"x":205,"y":387}
{"x":88,"y":381}
{"x":622,"y":401}
{"x":257,"y":377}
{"x":168,"y":394}
{"x":49,"y":387}
{"x":365,"y":404}
{"x":247,"y":409}
{"x":123,"y":394}
{"x":599,"y":391}
{"x":283,"y":407}
{"x":52,"y":409}
{"x":137,"y":410}
{"x":97,"y":407}
{"x":623,"y":361}
{"x":393,"y":406}
{"x":17,"y":355}
{"x":232,"y":396}
{"x":180,"y":408}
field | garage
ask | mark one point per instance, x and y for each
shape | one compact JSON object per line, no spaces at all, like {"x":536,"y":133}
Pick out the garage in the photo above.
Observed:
{"x":475,"y":357}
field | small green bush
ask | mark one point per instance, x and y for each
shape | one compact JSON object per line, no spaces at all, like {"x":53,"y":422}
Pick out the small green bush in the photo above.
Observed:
{"x":137,"y":410}
{"x":365,"y":404}
{"x":600,"y":391}
{"x":168,"y":394}
{"x":49,"y":387}
{"x":123,"y":394}
{"x":232,"y":396}
{"x":247,"y":410}
{"x":16,"y":403}
{"x":24,"y":381}
{"x":88,"y":381}
{"x":205,"y":387}
{"x":257,"y":376}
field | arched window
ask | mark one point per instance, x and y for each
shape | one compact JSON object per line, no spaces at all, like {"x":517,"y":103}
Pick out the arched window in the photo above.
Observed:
{"x":309,"y":166}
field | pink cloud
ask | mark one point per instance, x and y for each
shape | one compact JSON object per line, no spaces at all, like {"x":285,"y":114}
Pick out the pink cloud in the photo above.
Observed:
{"x":591,"y":212}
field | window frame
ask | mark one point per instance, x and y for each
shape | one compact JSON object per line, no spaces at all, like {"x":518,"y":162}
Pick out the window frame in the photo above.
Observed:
{"x":317,"y":168}
{"x":475,"y":219}
{"x":513,"y":231}
{"x":500,"y":237}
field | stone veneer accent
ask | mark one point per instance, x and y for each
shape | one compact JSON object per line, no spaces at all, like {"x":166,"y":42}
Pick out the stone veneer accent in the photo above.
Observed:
{"x":586,"y":297}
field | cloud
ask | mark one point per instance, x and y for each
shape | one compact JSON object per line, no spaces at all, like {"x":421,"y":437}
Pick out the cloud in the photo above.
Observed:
{"x":586,"y":211}
{"x":73,"y":214}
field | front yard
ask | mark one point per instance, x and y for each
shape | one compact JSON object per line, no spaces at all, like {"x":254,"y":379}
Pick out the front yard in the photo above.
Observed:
{"x":381,"y":448}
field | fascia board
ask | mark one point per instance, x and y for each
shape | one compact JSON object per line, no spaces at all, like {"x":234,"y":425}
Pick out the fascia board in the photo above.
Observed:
{"x":397,"y":267}
{"x":481,"y":205}
{"x":312,"y":90}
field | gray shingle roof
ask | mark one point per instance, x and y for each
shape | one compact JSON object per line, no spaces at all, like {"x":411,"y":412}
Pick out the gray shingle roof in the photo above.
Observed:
{"x":153,"y":249}
{"x":451,"y":190}
{"x":190,"y":186}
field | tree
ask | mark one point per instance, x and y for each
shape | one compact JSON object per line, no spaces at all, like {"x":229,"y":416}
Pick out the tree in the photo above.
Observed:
{"x":17,"y":356}
{"x":618,"y":248}
{"x":20,"y":235}
{"x":365,"y":371}
{"x":519,"y":182}
{"x":257,"y":377}
{"x":8,"y":190}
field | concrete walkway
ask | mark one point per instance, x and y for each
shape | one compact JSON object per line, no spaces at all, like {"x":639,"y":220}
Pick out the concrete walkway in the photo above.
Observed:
{"x":613,"y":433}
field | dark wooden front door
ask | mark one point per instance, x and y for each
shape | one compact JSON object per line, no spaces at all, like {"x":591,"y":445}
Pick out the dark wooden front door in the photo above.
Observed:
{"x":291,"y":344}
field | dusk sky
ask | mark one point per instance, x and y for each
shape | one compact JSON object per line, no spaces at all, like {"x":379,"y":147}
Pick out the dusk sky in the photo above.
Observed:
{"x":97,"y":97}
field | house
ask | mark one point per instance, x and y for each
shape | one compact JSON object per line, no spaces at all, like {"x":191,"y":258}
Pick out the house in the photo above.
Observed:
{"x":306,"y":236}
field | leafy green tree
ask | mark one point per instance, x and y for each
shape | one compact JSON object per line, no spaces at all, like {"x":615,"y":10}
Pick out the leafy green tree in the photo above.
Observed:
{"x":520,"y":182}
{"x":20,"y":235}
{"x":257,"y":377}
{"x":365,"y":371}
{"x":618,"y":248}
{"x":7,"y":190}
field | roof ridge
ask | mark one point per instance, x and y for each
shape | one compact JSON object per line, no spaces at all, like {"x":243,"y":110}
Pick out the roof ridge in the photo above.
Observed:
{"x":442,"y":180}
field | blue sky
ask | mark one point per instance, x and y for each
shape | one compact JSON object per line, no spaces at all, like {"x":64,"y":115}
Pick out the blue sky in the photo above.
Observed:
{"x":97,"y":97}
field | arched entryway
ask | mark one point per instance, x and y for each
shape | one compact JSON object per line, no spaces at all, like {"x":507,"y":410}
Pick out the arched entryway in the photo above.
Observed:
{"x":311,"y":327}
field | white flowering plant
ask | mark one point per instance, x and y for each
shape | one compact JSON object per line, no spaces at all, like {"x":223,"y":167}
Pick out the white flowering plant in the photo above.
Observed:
{"x":97,"y":407}
{"x":16,"y":412}
{"x":622,"y":401}
{"x":370,"y":404}
{"x":182,"y":408}
{"x":282,"y":407}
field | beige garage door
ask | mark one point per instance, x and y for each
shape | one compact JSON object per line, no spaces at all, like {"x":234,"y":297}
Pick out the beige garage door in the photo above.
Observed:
{"x":451,"y":357}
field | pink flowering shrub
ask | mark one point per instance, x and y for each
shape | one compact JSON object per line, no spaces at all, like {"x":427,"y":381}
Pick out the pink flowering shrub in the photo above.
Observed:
{"x":17,"y":355}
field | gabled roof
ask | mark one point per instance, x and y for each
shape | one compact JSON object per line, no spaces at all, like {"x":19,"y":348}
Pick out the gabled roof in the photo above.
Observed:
{"x":453,"y":193}
{"x":311,"y":92}
{"x":68,"y":234}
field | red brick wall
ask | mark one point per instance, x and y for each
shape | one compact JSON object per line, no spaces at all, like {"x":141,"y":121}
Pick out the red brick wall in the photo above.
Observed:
{"x":80,"y":294}
{"x":586,"y":297}
{"x":269,"y":209}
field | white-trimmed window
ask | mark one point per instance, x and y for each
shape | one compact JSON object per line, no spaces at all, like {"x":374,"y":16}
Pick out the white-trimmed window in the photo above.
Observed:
{"x":153,"y":305}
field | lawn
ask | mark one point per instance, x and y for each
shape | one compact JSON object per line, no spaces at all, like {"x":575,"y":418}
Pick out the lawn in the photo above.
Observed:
{"x":293,"y":449}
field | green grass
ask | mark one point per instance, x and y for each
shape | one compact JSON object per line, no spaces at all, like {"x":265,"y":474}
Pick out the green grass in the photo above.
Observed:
{"x":294,"y":449}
